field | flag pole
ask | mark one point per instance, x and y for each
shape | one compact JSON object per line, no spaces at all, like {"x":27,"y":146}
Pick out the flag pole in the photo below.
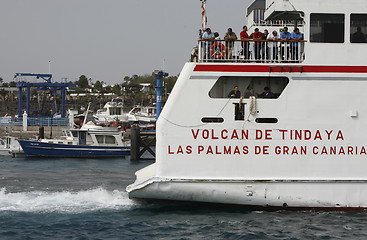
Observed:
{"x":203,"y":15}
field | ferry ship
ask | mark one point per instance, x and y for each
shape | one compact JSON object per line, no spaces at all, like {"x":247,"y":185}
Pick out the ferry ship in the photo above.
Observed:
{"x":305,"y":147}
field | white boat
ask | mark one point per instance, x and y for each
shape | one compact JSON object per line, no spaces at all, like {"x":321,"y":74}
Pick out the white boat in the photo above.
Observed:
{"x":303,"y":148}
{"x":112,"y":111}
{"x":142,"y":114}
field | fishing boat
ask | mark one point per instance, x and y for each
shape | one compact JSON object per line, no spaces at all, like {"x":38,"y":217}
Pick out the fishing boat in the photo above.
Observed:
{"x":90,"y":141}
{"x":303,"y":147}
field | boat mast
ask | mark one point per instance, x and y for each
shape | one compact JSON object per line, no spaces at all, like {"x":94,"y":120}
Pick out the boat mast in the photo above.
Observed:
{"x":204,"y":19}
{"x":86,"y":114}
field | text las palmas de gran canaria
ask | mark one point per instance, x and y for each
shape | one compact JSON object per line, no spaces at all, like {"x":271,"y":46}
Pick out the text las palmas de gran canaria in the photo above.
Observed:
{"x":233,"y":142}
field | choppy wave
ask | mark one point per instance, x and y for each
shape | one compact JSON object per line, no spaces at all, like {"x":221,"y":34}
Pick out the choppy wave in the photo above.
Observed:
{"x":65,"y":201}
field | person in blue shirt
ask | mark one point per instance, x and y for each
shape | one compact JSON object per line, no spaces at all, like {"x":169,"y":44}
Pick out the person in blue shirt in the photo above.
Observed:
{"x":295,"y":36}
{"x":285,"y":34}
{"x":207,"y":35}
{"x":285,"y":47}
{"x":235,"y":93}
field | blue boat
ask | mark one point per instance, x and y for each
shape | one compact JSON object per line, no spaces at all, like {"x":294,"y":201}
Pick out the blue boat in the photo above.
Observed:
{"x":90,"y":141}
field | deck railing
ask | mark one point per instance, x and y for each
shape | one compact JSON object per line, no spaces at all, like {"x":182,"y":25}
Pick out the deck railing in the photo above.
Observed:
{"x":47,"y":121}
{"x":265,"y":51}
{"x":34,"y":121}
{"x":258,"y":19}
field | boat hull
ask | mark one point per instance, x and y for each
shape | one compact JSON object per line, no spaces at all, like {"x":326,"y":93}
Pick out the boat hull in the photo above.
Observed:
{"x":41,"y":149}
{"x":330,"y":195}
{"x":4,"y":152}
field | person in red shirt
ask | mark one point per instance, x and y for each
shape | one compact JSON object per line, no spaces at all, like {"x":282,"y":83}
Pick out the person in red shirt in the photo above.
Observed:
{"x":245,"y":44}
{"x":257,"y":35}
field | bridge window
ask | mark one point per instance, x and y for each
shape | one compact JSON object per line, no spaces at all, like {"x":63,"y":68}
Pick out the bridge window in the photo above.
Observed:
{"x":248,"y":86}
{"x":115,"y":111}
{"x":327,"y":28}
{"x":358,"y":28}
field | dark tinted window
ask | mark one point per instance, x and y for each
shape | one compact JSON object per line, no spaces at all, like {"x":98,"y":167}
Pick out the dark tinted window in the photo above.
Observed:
{"x":328,"y":28}
{"x":249,"y":86}
{"x":358,"y":28}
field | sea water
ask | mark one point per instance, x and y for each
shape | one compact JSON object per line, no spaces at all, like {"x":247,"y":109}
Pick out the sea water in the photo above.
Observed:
{"x":70,"y":198}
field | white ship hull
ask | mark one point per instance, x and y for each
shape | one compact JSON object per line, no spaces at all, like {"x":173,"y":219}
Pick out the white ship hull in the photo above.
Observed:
{"x":267,"y":194}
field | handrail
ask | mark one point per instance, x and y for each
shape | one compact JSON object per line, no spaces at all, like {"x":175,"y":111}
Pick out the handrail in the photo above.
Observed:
{"x":250,"y":50}
{"x":251,"y":40}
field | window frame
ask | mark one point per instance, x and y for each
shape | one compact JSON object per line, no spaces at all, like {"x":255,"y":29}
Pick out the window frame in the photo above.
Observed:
{"x":325,"y":37}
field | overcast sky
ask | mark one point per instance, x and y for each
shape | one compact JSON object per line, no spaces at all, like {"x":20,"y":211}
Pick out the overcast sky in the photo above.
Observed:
{"x":106,"y":39}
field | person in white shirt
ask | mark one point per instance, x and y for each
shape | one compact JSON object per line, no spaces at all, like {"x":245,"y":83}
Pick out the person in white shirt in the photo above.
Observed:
{"x":273,"y":45}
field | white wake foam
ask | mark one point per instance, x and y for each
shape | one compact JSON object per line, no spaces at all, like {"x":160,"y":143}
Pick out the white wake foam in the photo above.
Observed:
{"x":68,"y":202}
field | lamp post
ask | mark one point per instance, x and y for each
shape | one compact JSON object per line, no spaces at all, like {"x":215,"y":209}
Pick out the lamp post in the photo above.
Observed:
{"x":159,"y":74}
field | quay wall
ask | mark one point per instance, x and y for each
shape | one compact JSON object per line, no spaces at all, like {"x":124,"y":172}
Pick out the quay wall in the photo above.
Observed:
{"x":17,"y":131}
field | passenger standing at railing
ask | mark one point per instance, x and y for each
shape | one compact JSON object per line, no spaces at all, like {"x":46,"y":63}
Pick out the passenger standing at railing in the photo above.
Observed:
{"x":207,"y":35}
{"x":230,"y":37}
{"x":257,"y":35}
{"x":273,"y":45}
{"x":216,"y":36}
{"x":296,"y":36}
{"x":245,"y":44}
{"x":200,"y":34}
{"x":284,"y":49}
{"x":264,"y":45}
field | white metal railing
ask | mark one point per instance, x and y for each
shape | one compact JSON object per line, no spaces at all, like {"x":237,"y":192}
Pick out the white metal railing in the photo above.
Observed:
{"x":265,"y":51}
{"x":258,"y":19}
{"x":258,"y":15}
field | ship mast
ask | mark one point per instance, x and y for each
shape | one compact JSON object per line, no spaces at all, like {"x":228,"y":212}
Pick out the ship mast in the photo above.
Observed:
{"x":203,"y":15}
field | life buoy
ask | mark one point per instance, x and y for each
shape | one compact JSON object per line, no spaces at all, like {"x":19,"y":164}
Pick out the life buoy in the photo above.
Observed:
{"x":217,"y":50}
